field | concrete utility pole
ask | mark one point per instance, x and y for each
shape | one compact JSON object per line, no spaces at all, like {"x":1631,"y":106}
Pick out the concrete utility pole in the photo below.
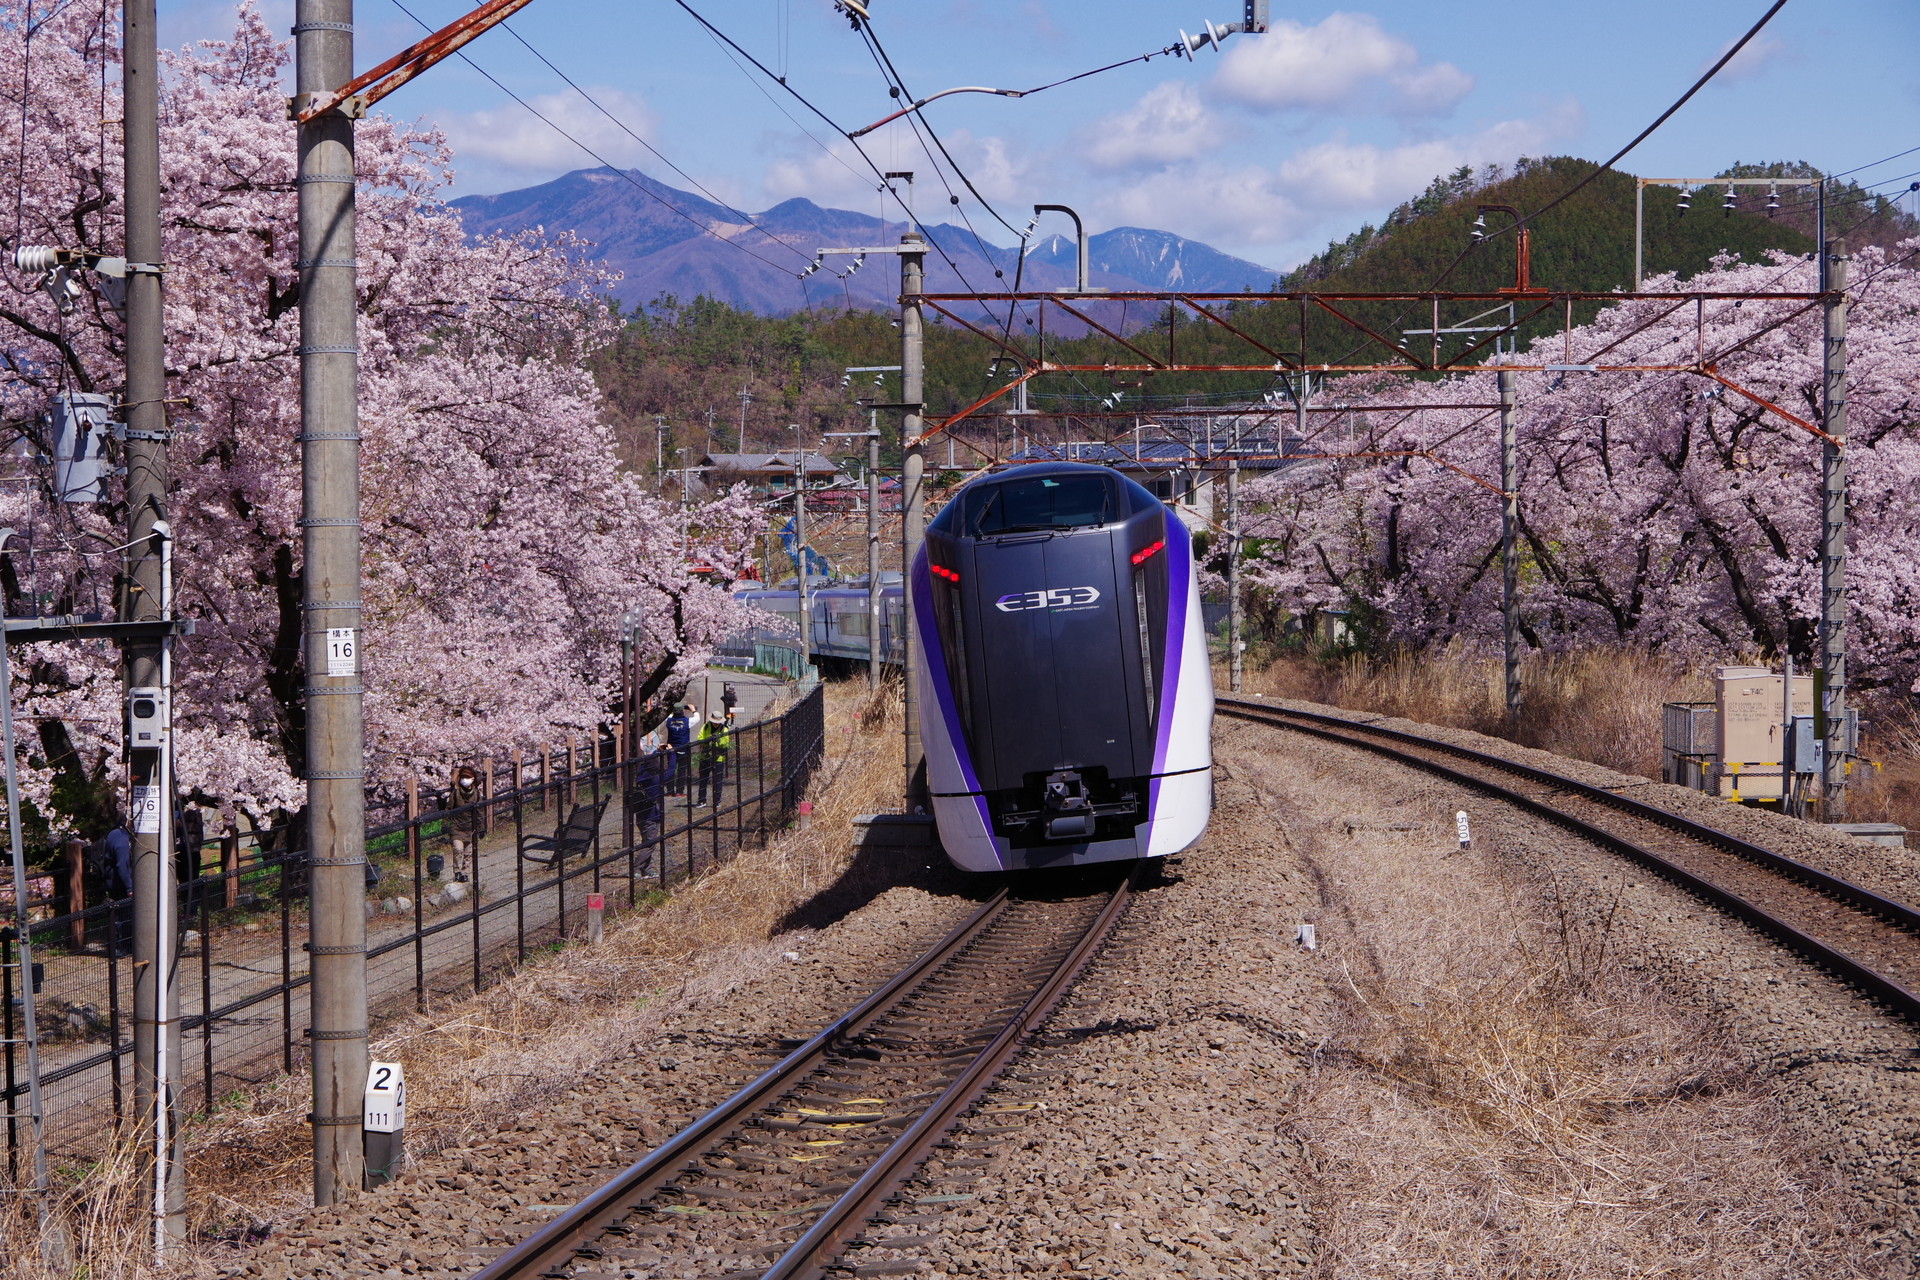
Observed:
{"x":746,"y":398}
{"x":873,"y":550}
{"x":800,"y":548}
{"x":660,"y":451}
{"x":1510,"y":539}
{"x":913,"y":467}
{"x":1236,"y":663}
{"x":156,"y":1001}
{"x":330,"y":599}
{"x":1833,"y":529}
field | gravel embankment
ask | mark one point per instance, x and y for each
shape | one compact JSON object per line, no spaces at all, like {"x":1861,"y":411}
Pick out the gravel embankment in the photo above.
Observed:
{"x":1174,"y":1118}
{"x":456,"y":1208}
{"x":1157,"y":1145}
{"x":1838,"y":1067}
{"x":1892,"y":873}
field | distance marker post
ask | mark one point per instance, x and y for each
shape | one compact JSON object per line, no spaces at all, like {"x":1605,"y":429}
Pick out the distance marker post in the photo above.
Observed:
{"x":384,"y":1123}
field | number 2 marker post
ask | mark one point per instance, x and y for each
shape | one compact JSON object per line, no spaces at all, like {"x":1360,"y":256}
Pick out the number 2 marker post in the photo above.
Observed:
{"x":384,"y":1122}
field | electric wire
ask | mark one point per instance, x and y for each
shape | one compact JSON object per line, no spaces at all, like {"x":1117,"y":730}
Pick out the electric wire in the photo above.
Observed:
{"x":1871,"y":163}
{"x":1642,"y":136}
{"x":917,"y":121}
{"x":621,"y":173}
{"x":801,"y":98}
{"x":1645,"y":133}
{"x":889,"y":70}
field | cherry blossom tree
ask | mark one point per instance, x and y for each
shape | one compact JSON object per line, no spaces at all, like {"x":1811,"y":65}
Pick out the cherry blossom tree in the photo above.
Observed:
{"x":1657,"y":509}
{"x":503,"y":542}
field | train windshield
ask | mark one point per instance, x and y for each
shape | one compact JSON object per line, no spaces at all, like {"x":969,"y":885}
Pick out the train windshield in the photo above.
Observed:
{"x":1043,"y":502}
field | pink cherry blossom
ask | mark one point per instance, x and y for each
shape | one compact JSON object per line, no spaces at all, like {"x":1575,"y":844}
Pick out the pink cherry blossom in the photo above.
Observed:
{"x":1658,"y":509}
{"x":503,"y":540}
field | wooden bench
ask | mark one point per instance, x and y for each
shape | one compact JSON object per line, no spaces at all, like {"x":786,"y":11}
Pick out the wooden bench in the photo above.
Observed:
{"x":575,"y":836}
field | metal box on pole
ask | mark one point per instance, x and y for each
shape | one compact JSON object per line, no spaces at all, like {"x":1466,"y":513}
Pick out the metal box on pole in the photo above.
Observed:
{"x":80,"y":430}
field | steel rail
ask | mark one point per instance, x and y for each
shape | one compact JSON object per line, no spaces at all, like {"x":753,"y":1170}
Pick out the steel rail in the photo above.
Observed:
{"x":1878,"y":985}
{"x":829,"y":1235}
{"x":554,"y":1244}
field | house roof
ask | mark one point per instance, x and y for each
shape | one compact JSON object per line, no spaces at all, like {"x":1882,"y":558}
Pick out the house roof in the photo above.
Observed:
{"x":770,"y":463}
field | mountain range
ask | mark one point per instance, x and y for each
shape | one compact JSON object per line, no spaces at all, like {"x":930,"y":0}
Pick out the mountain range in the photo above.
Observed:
{"x":663,"y":240}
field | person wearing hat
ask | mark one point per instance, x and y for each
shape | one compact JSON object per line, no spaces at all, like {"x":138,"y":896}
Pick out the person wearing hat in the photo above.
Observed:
{"x":716,"y":741}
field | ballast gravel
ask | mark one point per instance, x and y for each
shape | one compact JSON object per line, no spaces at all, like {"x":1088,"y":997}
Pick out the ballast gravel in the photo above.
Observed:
{"x":1843,"y":1070}
{"x":1152,"y":1129}
{"x":1157,"y":1143}
{"x":455,"y":1209}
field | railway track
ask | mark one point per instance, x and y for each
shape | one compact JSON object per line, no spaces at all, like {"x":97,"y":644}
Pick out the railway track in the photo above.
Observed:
{"x":1868,"y":940}
{"x":792,"y":1172}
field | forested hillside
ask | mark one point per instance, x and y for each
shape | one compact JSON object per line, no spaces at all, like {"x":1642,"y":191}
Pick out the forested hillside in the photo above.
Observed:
{"x":687,"y":360}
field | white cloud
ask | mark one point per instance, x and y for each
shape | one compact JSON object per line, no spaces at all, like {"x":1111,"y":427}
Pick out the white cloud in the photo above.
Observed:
{"x":1344,"y":62}
{"x":1343,"y":176}
{"x":1211,"y":203}
{"x":508,"y":142}
{"x":1170,"y":123}
{"x":1763,"y":53}
{"x":842,"y":179}
{"x":1249,"y":206}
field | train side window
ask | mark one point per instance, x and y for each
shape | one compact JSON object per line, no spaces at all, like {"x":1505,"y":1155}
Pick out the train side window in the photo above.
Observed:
{"x":946,"y":616}
{"x":1146,"y":641}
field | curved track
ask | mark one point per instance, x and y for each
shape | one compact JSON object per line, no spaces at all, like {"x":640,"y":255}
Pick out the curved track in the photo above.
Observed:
{"x":1871,"y":941}
{"x":782,"y":1178}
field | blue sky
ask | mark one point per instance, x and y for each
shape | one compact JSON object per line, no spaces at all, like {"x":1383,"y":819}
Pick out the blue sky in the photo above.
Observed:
{"x":1267,"y":149}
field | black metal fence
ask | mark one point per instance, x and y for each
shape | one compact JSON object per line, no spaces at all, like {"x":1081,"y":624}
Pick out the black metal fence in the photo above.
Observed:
{"x":544,"y":836}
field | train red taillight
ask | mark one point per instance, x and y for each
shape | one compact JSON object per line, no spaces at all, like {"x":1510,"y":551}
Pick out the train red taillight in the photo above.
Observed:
{"x":1147,"y":552}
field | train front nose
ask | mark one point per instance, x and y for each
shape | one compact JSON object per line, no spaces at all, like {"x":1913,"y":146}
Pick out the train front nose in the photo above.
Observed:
{"x":1053,"y":644}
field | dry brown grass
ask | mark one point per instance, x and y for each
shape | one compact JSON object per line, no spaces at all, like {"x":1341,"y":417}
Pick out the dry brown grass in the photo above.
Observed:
{"x":1888,"y":787}
{"x":1502,"y":1099}
{"x":1601,"y":705}
{"x":476,"y":1060}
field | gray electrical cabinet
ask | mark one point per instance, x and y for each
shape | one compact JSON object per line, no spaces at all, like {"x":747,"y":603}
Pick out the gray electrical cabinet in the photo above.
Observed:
{"x":80,"y":428}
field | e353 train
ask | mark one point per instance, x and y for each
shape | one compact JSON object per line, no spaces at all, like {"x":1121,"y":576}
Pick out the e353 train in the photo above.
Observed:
{"x":1066,"y":698}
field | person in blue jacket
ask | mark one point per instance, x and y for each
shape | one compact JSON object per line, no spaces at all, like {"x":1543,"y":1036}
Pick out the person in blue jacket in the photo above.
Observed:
{"x":679,"y":739}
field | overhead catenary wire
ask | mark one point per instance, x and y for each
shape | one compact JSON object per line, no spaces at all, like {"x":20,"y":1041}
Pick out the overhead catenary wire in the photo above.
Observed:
{"x":895,"y":81}
{"x":1604,"y":167}
{"x":730,"y":43}
{"x":916,"y":121}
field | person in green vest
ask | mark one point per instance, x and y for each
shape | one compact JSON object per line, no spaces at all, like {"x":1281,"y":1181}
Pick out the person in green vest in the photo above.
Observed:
{"x":715,"y":745}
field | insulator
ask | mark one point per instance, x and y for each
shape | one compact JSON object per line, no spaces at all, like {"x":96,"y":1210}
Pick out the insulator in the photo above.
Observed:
{"x":1686,"y":199}
{"x":1773,"y":201}
{"x":1727,"y":206}
{"x":36,"y":257}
